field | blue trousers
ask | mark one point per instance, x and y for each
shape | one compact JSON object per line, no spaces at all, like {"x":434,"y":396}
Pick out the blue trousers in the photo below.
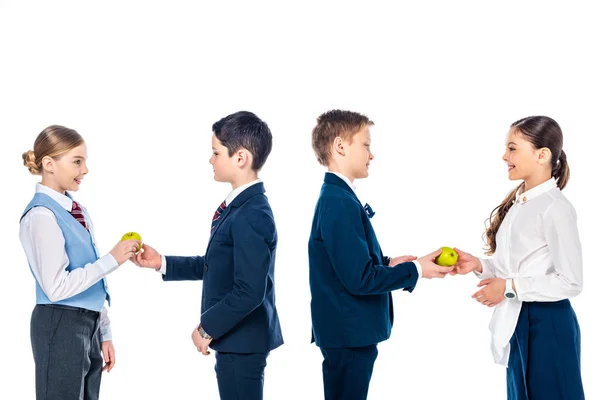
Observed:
{"x":347,"y":372}
{"x":544,"y":362}
{"x":240,"y":376}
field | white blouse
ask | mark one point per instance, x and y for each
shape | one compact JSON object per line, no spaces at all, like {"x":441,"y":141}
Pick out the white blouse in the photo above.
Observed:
{"x":537,"y":245}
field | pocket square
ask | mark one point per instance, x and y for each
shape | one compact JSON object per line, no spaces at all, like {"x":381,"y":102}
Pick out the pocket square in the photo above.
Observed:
{"x":369,"y":210}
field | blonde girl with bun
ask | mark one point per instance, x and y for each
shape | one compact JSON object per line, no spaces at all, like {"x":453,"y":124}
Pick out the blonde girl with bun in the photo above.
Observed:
{"x":70,"y":330}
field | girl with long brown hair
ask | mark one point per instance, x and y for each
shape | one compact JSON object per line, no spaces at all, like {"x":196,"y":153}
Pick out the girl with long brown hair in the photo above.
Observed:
{"x":536,"y":267}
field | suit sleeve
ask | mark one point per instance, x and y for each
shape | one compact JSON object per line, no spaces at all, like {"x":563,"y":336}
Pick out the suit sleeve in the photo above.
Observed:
{"x":184,"y":268}
{"x":344,"y":238}
{"x":253,"y":236}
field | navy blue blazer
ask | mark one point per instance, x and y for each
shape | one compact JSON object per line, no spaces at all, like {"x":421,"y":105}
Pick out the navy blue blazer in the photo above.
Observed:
{"x":351,"y":303}
{"x":238,"y":291}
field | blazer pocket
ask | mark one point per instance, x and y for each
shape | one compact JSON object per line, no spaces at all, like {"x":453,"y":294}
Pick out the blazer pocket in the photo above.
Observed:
{"x":220,"y":238}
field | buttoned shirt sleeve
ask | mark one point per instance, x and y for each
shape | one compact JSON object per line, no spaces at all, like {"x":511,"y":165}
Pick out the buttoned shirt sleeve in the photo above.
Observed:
{"x":559,"y":227}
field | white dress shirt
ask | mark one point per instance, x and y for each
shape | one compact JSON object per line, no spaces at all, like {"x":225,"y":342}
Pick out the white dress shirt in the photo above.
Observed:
{"x":351,"y":185}
{"x":44,"y":246}
{"x":230,"y":197}
{"x":537,"y":245}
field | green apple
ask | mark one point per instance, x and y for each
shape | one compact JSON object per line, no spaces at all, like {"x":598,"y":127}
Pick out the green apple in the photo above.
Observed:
{"x":134,"y":236}
{"x":447,"y":258}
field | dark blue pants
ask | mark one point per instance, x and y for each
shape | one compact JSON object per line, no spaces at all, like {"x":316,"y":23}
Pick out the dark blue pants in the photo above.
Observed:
{"x":347,"y":372}
{"x":240,"y":376}
{"x":545,"y":350}
{"x":66,"y":349}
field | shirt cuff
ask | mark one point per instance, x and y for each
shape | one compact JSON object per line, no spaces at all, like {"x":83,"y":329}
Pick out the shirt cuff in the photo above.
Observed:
{"x":107,"y":263}
{"x":105,"y":331}
{"x":521,"y":286}
{"x":418,"y":265}
{"x":487,"y":270}
{"x":163,"y":266}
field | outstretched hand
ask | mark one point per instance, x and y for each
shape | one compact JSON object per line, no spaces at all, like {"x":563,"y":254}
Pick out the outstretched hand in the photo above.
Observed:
{"x":466,"y":263}
{"x":148,"y":257}
{"x":401,"y":259}
{"x":430,"y":269}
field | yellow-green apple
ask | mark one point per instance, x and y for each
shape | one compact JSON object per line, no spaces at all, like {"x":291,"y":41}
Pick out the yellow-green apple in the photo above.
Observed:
{"x":134,"y":236}
{"x":447,"y":258}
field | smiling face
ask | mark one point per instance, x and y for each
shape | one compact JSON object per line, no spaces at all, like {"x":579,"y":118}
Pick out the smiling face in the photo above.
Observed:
{"x":522,"y":159}
{"x":358,"y":154}
{"x":65,"y":172}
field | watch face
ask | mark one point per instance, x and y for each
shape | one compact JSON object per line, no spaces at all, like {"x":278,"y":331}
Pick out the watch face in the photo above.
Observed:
{"x":509,"y":295}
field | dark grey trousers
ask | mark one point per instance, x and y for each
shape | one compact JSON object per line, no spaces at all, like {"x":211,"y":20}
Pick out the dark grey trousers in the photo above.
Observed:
{"x":66,"y":349}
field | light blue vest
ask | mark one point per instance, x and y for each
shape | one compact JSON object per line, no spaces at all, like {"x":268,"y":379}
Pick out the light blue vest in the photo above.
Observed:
{"x":80,"y":249}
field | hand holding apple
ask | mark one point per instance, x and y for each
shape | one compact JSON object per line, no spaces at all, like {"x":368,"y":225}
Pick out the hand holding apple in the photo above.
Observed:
{"x":429,"y":269}
{"x":133,"y":236}
{"x":148,"y":258}
{"x":467,"y":263}
{"x":447,"y":257}
{"x":124,"y":250}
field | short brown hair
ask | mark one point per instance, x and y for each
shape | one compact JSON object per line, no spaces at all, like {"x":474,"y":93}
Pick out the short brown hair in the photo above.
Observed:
{"x":53,"y":142}
{"x":332,"y":124}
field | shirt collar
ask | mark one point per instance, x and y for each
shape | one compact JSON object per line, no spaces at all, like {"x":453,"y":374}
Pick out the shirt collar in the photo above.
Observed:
{"x":536,"y":191}
{"x":64,"y":200}
{"x":345,"y":179}
{"x":235,"y":193}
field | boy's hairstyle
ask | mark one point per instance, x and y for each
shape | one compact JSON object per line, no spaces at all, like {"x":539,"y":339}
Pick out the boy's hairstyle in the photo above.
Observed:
{"x":244,"y":129}
{"x":541,"y":132}
{"x":332,"y":124}
{"x":54,"y":141}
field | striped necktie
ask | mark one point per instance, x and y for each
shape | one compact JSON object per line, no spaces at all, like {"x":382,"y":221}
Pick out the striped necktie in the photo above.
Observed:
{"x":217,"y":215}
{"x":77,"y":213}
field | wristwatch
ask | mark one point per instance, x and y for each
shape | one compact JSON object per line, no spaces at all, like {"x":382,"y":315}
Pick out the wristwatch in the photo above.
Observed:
{"x":203,"y":333}
{"x":509,"y":293}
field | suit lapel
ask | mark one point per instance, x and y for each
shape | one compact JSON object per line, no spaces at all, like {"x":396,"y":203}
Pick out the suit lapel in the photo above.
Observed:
{"x":335,"y":180}
{"x":255,"y":189}
{"x":224,"y":215}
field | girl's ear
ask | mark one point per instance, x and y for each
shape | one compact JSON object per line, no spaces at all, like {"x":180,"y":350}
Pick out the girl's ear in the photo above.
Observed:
{"x":544,"y":155}
{"x":48,"y":164}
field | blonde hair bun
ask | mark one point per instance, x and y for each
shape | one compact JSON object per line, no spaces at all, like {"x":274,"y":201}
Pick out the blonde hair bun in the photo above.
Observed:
{"x":30,"y":162}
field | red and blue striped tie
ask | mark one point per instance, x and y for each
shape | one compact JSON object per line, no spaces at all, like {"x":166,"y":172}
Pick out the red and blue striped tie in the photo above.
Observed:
{"x":77,"y":213}
{"x":217,"y":216}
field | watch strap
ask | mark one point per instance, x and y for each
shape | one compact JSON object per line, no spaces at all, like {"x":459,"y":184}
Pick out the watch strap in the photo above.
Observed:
{"x":203,"y":333}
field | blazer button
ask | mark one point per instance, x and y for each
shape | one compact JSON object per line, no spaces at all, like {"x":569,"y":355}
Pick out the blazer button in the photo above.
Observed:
{"x":205,"y":267}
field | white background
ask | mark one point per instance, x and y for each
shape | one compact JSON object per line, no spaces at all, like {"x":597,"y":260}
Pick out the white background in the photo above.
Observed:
{"x":144,"y":81}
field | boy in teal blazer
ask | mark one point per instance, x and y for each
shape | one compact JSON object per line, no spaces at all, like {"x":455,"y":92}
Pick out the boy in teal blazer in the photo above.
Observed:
{"x":350,"y":278}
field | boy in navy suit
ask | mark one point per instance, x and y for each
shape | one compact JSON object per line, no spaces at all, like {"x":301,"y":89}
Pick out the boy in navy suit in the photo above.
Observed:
{"x":239,"y":318}
{"x":350,"y":278}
